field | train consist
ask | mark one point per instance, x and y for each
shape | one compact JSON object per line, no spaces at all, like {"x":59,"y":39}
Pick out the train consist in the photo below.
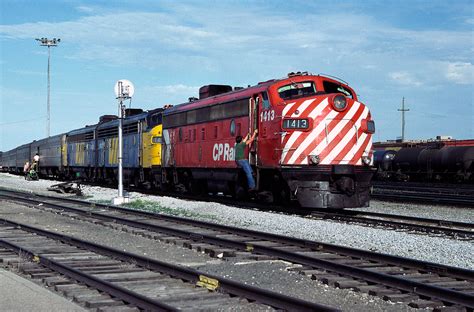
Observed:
{"x":448,"y":163}
{"x":314,"y":144}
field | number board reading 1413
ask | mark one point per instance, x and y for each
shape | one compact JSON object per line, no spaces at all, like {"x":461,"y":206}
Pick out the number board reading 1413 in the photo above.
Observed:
{"x":295,"y":123}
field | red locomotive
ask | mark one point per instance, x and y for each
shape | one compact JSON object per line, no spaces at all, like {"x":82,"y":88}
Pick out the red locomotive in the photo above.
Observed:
{"x":314,"y":142}
{"x":313,"y":146}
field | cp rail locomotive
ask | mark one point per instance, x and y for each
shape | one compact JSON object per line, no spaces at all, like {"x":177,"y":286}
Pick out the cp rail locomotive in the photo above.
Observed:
{"x":314,"y":144}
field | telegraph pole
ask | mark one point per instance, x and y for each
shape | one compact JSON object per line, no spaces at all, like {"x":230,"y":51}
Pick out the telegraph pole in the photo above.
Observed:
{"x":403,"y":110}
{"x":48,"y":43}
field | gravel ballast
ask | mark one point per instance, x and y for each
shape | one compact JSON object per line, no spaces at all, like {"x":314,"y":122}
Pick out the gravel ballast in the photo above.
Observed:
{"x":441,"y":250}
{"x":270,"y":275}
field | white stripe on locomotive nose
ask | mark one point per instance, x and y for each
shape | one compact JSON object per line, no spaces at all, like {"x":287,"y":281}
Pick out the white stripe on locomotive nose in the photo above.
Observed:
{"x":287,"y":108}
{"x":311,"y":137}
{"x":343,"y":143}
{"x":354,"y":149}
{"x":302,"y":108}
{"x":336,"y":130}
{"x":339,"y":147}
{"x":296,"y":134}
{"x":315,"y":113}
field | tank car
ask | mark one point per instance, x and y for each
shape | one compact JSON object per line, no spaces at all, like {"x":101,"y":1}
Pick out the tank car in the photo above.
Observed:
{"x":313,"y":147}
{"x":429,"y":164}
{"x":454,"y":163}
{"x":383,"y":161}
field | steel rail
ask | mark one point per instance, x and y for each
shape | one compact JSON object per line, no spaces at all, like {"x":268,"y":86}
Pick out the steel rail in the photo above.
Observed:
{"x":424,"y":224}
{"x":385,"y":279}
{"x":454,"y":194}
{"x":461,"y":273}
{"x":225,"y":285}
{"x":446,"y":200}
{"x":116,"y":291}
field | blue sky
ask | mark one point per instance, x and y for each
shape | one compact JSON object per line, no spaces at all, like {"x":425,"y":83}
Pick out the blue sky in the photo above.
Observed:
{"x":386,"y":50}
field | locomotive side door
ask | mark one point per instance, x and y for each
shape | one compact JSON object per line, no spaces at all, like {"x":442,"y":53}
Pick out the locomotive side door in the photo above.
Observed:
{"x":253,"y":124}
{"x":267,"y":129}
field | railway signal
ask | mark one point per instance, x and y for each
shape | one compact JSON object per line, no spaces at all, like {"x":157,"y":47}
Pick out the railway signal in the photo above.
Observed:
{"x":123,"y":90}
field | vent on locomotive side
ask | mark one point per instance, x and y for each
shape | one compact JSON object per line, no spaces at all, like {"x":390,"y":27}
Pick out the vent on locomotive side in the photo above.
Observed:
{"x":107,"y":118}
{"x":133,"y":111}
{"x":211,"y":90}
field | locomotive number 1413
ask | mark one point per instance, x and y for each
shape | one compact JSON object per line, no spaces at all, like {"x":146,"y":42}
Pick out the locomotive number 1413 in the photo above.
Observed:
{"x":267,"y":115}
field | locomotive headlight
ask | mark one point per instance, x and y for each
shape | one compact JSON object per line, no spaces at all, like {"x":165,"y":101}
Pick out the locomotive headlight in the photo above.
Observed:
{"x":339,"y":102}
{"x":314,"y":159}
{"x":366,"y":160}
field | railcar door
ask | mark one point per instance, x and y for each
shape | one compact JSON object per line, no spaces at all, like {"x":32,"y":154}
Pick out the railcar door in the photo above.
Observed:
{"x":253,"y":124}
{"x":268,"y":129}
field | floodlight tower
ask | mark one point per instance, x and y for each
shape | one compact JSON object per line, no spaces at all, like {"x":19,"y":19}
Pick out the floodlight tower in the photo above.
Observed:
{"x":45,"y":42}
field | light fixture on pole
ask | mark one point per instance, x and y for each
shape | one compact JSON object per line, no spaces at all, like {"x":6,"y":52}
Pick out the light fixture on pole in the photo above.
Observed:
{"x":123,"y":90}
{"x":48,"y":43}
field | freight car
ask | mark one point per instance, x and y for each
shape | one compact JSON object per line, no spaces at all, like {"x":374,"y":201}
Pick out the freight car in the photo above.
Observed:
{"x":446,"y":164}
{"x":314,"y":144}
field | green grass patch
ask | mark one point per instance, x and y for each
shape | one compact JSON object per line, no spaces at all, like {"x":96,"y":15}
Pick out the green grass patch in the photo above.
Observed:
{"x":150,"y":206}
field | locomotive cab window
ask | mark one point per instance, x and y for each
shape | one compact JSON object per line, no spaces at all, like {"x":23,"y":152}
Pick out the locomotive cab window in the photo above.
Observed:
{"x":331,"y":87}
{"x":297,"y":90}
{"x":156,"y":140}
{"x":265,"y":101}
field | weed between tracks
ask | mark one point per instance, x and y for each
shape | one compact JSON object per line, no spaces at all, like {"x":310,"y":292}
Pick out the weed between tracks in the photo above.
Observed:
{"x":150,"y":206}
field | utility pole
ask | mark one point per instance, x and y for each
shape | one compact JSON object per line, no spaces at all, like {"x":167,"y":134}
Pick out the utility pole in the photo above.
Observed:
{"x":403,"y":110}
{"x":48,"y":43}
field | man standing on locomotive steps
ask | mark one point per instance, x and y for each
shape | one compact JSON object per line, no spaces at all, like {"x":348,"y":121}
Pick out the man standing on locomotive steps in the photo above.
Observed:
{"x":241,"y":160}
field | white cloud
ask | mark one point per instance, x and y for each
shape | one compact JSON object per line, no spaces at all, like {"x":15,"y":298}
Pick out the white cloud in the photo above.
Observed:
{"x":168,"y":94}
{"x":85,"y":9}
{"x":461,"y":73}
{"x":405,"y":78}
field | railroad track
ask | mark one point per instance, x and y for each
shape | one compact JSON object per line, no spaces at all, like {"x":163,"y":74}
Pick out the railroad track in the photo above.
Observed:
{"x":420,"y":284}
{"x":460,"y":195}
{"x":458,"y":230}
{"x":102,"y":277}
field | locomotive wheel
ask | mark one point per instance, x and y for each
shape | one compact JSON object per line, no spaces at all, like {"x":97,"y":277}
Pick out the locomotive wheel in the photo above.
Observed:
{"x":280,"y":191}
{"x":240,"y":193}
{"x":196,"y":187}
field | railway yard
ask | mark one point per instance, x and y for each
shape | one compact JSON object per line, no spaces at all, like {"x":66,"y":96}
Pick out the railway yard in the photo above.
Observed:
{"x":237,"y":156}
{"x":290,"y":261}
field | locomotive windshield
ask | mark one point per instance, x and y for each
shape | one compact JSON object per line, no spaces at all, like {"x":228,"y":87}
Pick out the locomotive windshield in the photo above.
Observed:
{"x":331,"y":87}
{"x":296,"y":90}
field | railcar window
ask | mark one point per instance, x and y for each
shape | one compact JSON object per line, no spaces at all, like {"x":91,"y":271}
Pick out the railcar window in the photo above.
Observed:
{"x":297,"y":90}
{"x":203,"y":134}
{"x":331,"y":87}
{"x":191,"y":117}
{"x":235,"y":108}
{"x":266,"y":102}
{"x":232,"y":127}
